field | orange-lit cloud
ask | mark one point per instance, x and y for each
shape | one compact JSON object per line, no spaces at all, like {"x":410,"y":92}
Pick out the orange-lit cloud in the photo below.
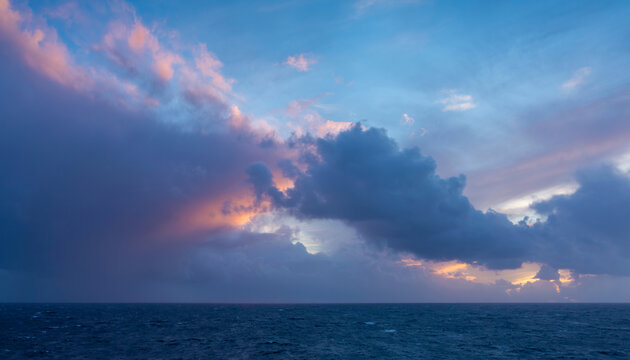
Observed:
{"x":226,"y":211}
{"x":471,"y":272}
{"x":411,"y":262}
{"x":282,"y":183}
{"x":520,"y":277}
{"x":232,"y":209}
{"x":453,"y":270}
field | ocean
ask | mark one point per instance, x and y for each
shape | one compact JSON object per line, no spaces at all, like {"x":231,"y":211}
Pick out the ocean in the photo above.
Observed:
{"x":345,"y":331}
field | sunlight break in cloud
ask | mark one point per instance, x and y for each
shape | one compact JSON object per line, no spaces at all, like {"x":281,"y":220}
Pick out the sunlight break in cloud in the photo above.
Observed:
{"x":456,"y":102}
{"x":301,"y":62}
{"x":578,"y":78}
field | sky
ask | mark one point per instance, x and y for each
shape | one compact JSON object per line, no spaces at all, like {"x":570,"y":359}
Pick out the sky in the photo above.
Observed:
{"x":314,"y":151}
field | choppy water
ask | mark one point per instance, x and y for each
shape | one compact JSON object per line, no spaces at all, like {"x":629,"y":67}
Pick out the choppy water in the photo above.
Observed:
{"x":431,"y":331}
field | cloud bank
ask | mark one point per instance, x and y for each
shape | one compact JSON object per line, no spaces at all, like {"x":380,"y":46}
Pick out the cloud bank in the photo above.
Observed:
{"x":394,"y":198}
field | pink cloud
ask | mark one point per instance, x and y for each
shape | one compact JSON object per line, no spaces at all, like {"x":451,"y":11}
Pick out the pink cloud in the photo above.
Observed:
{"x":315,"y":124}
{"x":132,"y":46}
{"x":163,"y":63}
{"x":135,"y":47}
{"x":69,"y":12}
{"x":301,"y":62}
{"x":140,"y":37}
{"x":204,"y":84}
{"x":40,"y":48}
{"x":296,"y":107}
{"x":197,"y":92}
{"x":209,"y":66}
{"x":333,"y":127}
{"x":122,"y":92}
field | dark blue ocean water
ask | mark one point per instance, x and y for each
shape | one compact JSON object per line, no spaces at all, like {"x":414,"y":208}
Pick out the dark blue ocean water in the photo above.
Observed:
{"x":426,"y":331}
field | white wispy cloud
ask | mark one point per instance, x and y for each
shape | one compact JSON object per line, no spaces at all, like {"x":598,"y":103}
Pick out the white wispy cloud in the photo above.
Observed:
{"x":578,"y":79}
{"x":453,"y":101}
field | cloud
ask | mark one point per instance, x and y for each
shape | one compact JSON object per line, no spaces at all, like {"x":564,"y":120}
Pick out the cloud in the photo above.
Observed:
{"x":301,"y":62}
{"x":93,"y":194}
{"x":457,"y":102}
{"x":519,"y":207}
{"x":546,"y":272}
{"x":296,"y":107}
{"x":103,"y":200}
{"x":394,"y":198}
{"x":69,"y":12}
{"x":408,"y":120}
{"x":40,"y":48}
{"x":587,"y":231}
{"x":93,"y":198}
{"x":129,"y":44}
{"x":209,"y":66}
{"x":577,"y":80}
{"x":306,"y":120}
{"x":314,"y":124}
{"x":333,"y":128}
{"x":146,"y":68}
{"x":592,"y":132}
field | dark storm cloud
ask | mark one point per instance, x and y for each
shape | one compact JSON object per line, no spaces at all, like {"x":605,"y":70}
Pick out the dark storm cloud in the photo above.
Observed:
{"x":393,"y":197}
{"x":546,"y":272}
{"x":262,"y":179}
{"x":87,"y":189}
{"x":589,"y":230}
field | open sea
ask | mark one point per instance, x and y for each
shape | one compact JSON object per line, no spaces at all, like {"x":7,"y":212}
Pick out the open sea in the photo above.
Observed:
{"x":379,"y":331}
